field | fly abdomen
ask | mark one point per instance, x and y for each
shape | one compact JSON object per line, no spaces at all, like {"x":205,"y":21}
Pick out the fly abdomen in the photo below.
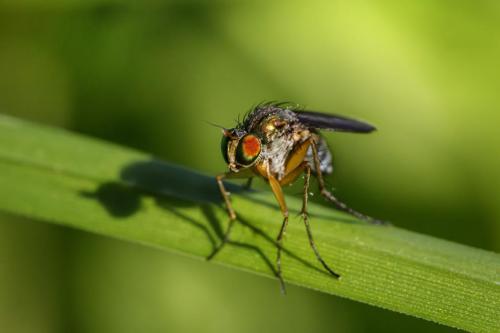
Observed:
{"x":324,"y":156}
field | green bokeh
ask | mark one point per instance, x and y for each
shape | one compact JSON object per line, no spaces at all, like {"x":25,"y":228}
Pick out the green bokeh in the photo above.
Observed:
{"x":151,"y":74}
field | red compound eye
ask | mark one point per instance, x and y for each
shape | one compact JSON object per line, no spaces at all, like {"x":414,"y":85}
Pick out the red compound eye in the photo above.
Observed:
{"x":248,"y":150}
{"x":251,"y":145}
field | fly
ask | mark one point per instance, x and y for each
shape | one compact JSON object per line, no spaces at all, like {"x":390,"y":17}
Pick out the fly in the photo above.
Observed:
{"x":280,"y":142}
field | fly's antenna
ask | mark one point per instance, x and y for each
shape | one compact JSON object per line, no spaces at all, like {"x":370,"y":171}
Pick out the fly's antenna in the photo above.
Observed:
{"x":215,"y":125}
{"x":226,"y":132}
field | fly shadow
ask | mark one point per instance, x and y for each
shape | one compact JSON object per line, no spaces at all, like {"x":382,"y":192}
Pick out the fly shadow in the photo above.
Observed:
{"x":173,"y":187}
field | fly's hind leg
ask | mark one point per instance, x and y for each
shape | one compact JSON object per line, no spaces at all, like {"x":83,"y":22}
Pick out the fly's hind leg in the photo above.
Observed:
{"x":330,"y":197}
{"x":305,"y":217}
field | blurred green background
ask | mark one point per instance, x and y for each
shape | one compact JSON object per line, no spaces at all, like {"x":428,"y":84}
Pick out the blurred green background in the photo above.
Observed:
{"x":149,"y":75}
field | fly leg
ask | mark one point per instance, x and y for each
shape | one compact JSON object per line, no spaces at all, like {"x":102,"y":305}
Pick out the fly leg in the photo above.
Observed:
{"x":331,"y":198}
{"x":305,"y":217}
{"x":248,"y":185}
{"x":278,"y":193}
{"x":230,"y":212}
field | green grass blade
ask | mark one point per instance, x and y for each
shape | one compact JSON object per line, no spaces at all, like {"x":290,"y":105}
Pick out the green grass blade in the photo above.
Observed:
{"x":64,"y":178}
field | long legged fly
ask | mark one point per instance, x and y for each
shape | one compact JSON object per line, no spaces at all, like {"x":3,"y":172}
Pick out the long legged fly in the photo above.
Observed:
{"x":279,"y":142}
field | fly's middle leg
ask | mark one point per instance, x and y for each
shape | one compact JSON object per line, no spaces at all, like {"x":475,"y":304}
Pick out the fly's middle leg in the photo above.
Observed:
{"x":305,"y":217}
{"x":278,"y":193}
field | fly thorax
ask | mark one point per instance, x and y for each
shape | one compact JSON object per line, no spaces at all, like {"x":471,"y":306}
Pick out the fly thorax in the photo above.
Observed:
{"x":276,"y":153}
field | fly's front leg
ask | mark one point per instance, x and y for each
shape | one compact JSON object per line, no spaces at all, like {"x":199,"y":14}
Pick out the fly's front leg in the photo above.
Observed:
{"x":230,"y":212}
{"x":306,"y":222}
{"x":330,"y":197}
